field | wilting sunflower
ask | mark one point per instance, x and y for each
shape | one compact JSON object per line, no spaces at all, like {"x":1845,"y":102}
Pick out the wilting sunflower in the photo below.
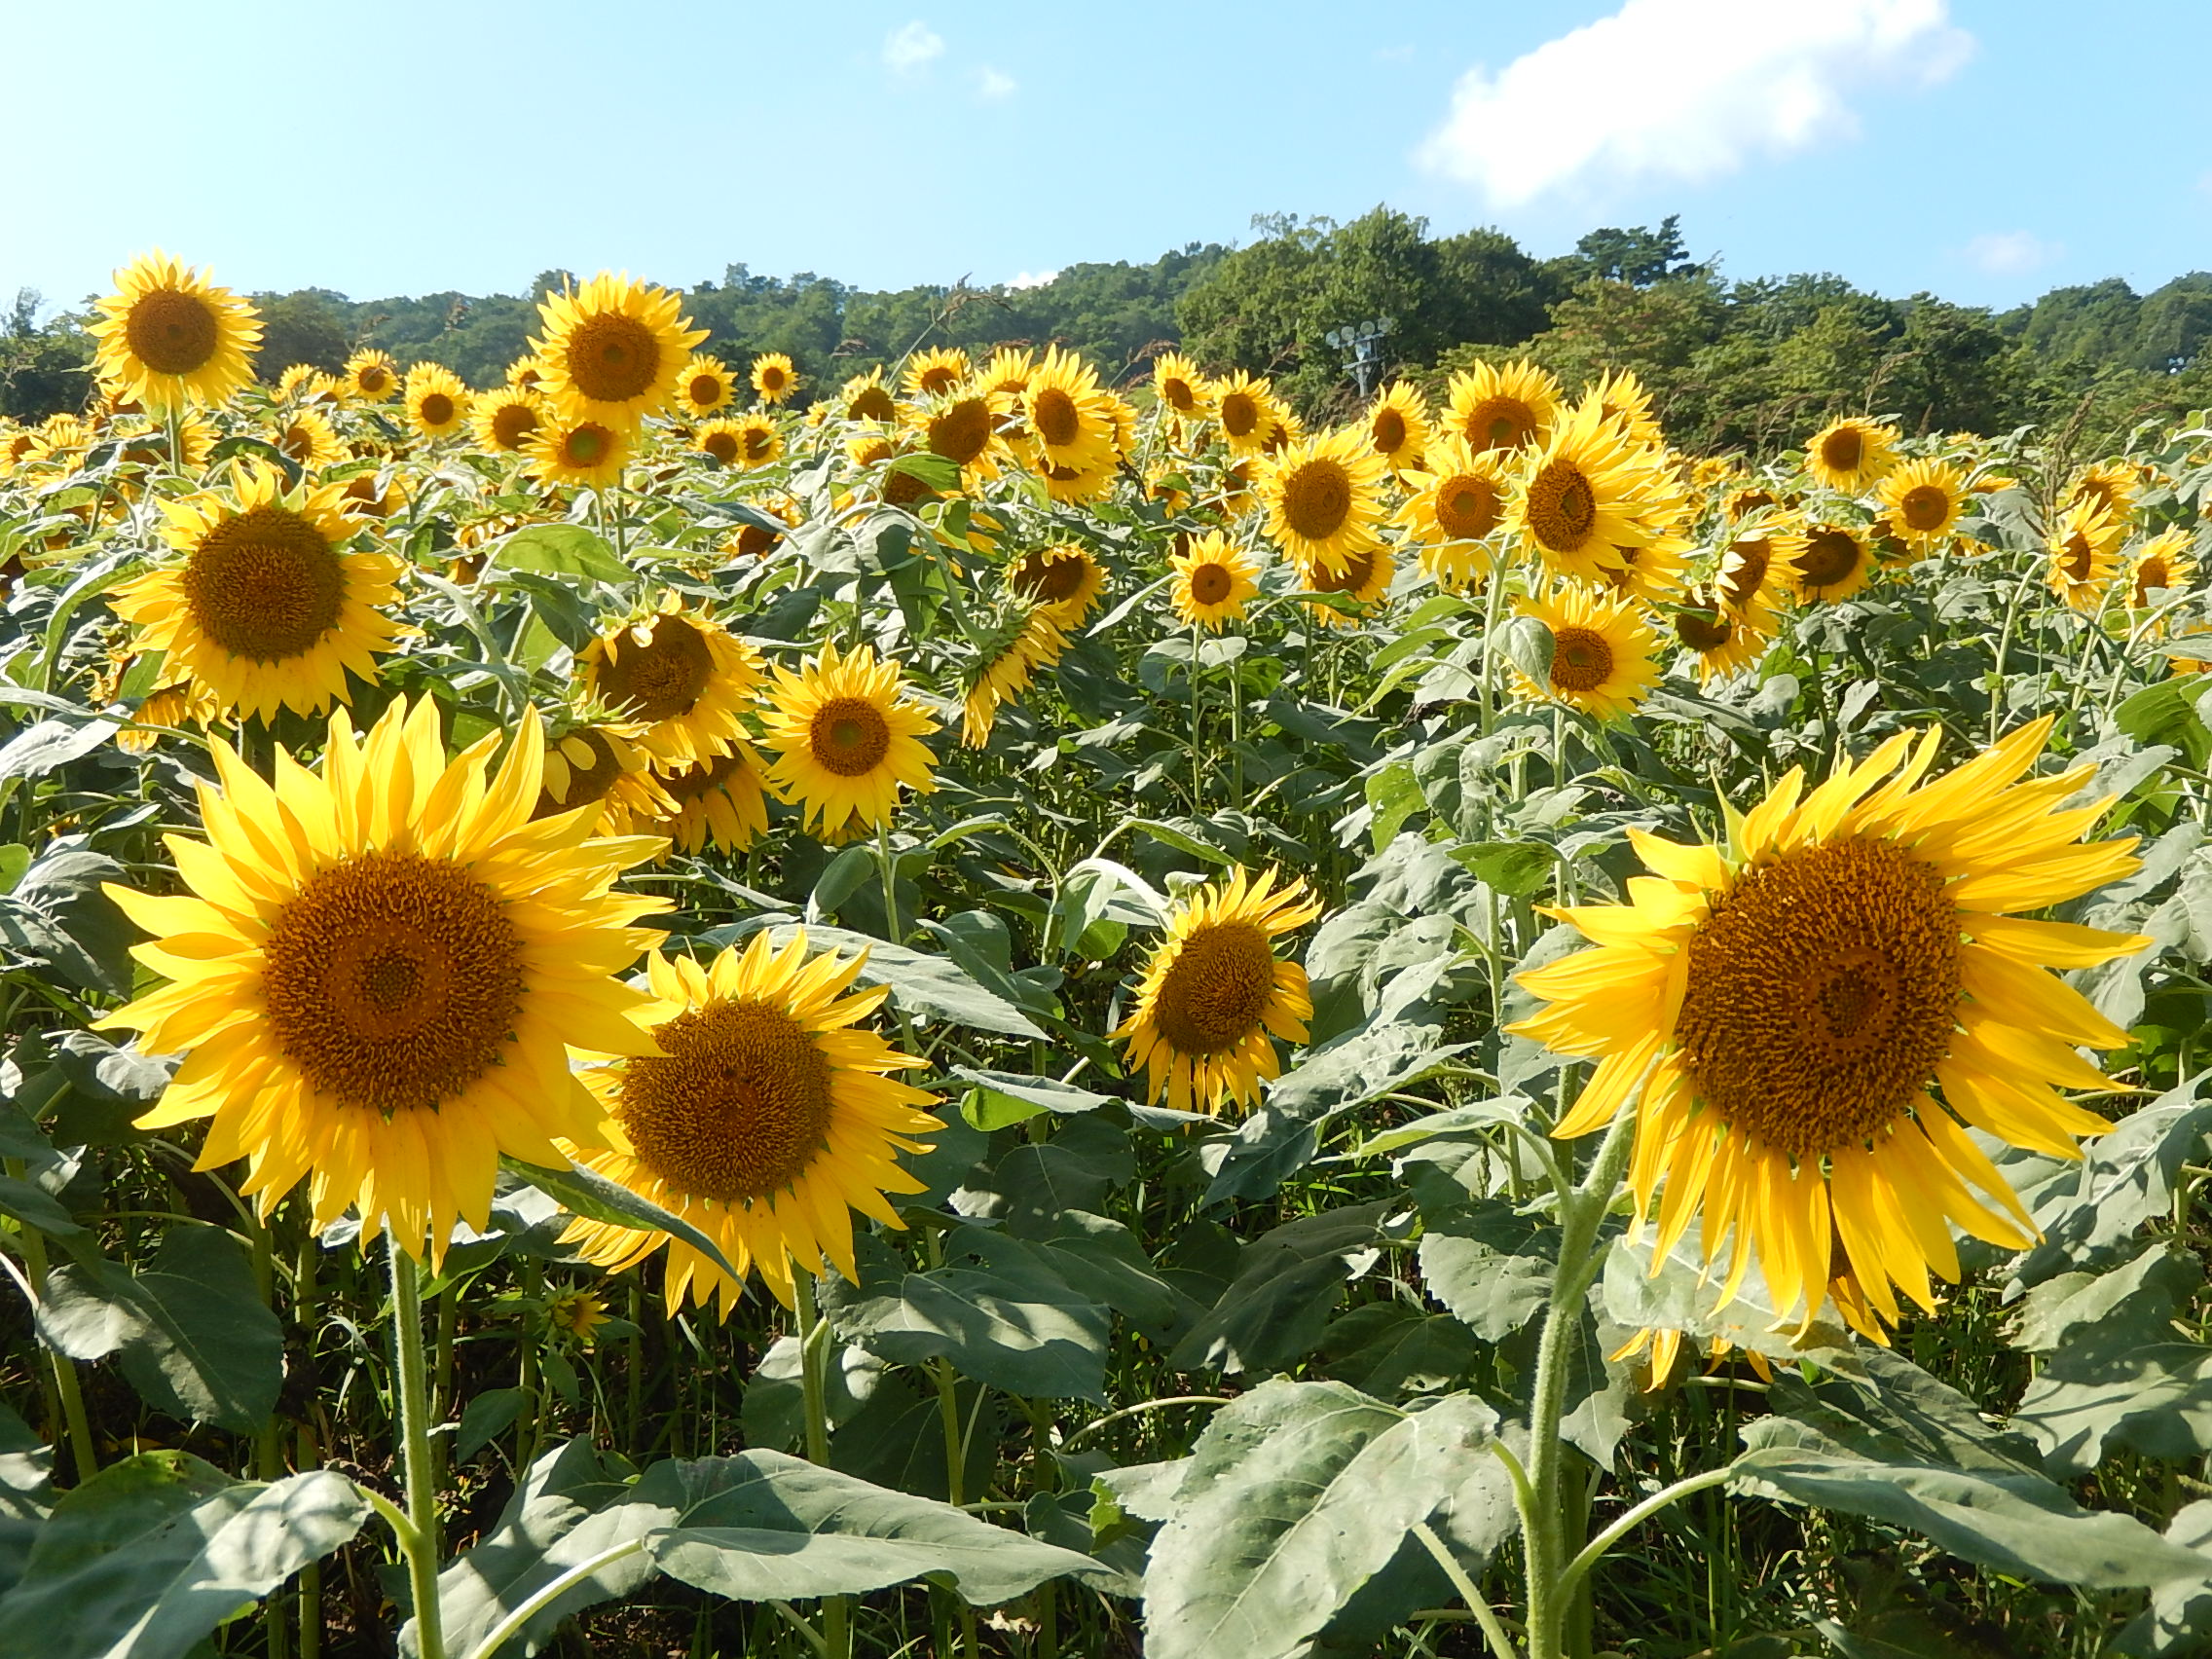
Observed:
{"x":962,"y":425}
{"x":614,"y":349}
{"x":1214,"y":997}
{"x":370,"y":376}
{"x":379,"y":971}
{"x":1068,"y":420}
{"x":774,"y":378}
{"x":586,"y":453}
{"x":504,"y":419}
{"x":308,"y":437}
{"x":768,"y":1118}
{"x":1723,"y":639}
{"x":846,"y":738}
{"x":937,"y":370}
{"x":1502,"y":406}
{"x":437,"y":402}
{"x":1604,"y":652}
{"x":2107,"y":484}
{"x":1923,"y":499}
{"x":1852,"y":455}
{"x":1834,"y":563}
{"x":2161,"y":564}
{"x":864,"y":398}
{"x":2084,"y":554}
{"x":1398,"y":426}
{"x":1245,"y":406}
{"x":1588,"y":492}
{"x":1213,"y":581}
{"x":170,"y":337}
{"x":680,"y":675}
{"x":602,"y":762}
{"x":723,"y":800}
{"x":1001,"y":671}
{"x":1786,"y":1009}
{"x":1179,"y":388}
{"x":1323,"y":499}
{"x":705,"y":385}
{"x":266,"y":609}
{"x":1064,"y":581}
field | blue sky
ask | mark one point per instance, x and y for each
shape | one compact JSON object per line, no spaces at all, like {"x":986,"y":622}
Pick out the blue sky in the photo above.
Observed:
{"x":1985,"y":150}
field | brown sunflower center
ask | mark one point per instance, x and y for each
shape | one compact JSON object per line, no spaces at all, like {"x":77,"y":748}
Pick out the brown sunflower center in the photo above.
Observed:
{"x":1211,"y":585}
{"x":1053,"y":415}
{"x":1581,"y":659}
{"x":739,"y":1106}
{"x":1703,"y":630}
{"x":1316,"y":499}
{"x":939,"y":376}
{"x":1466,"y":507}
{"x":961,"y":431}
{"x":2150,"y":575}
{"x":586,"y":445}
{"x":905,"y":488}
{"x":374,"y":379}
{"x":771,"y":376}
{"x":849,"y":736}
{"x":1746,"y":573}
{"x":511,"y":422}
{"x":1499,"y":422}
{"x":1842,"y":451}
{"x":171,"y":333}
{"x":611,"y":358}
{"x":871,"y":403}
{"x":1179,"y":394}
{"x":264,"y":585}
{"x":1046,"y":579}
{"x":1830,"y":557}
{"x":392,"y":981}
{"x":298,"y":442}
{"x":759,"y":442}
{"x":1388,"y":431}
{"x":705,"y":390}
{"x":1562,"y":508}
{"x":1925,"y":507}
{"x":1240,"y":414}
{"x":2081,"y":557}
{"x":695,"y":782}
{"x":1217,"y":988}
{"x":588,"y":779}
{"x":661,"y":678}
{"x":1358,"y":571}
{"x":437,"y":410}
{"x":1822,"y":994}
{"x":722,"y":444}
{"x":755,"y":539}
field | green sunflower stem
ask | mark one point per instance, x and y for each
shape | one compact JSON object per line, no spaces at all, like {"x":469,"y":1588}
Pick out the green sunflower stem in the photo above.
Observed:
{"x":411,"y":1381}
{"x":814,"y":1378}
{"x":1197,"y":770}
{"x":1543,"y":1518}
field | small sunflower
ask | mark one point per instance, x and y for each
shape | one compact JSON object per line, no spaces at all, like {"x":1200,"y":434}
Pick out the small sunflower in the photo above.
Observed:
{"x":705,"y":385}
{"x":168,"y":336}
{"x":1245,"y":406}
{"x":1604,"y":652}
{"x":2084,"y":554}
{"x":1398,"y":426}
{"x":1588,"y":491}
{"x":1068,"y":420}
{"x":587,"y":453}
{"x":1001,"y":672}
{"x":1214,"y":996}
{"x":774,"y":378}
{"x":1786,"y":1010}
{"x":768,"y":1118}
{"x":1008,"y":370}
{"x":372,"y":494}
{"x":760,"y":443}
{"x":266,"y":609}
{"x":378,"y":973}
{"x":1923,"y":499}
{"x":504,"y":419}
{"x":1621,"y":396}
{"x":371,"y":376}
{"x":1064,"y":581}
{"x":576,"y":1315}
{"x":1213,"y":581}
{"x":722,"y":800}
{"x":1852,"y":455}
{"x":528,"y":374}
{"x":614,"y":349}
{"x":1323,"y":499}
{"x":846,"y":738}
{"x":602,"y":762}
{"x":1179,"y":388}
{"x":2161,"y":564}
{"x":1502,"y":406}
{"x":1756,"y":571}
{"x":683,"y":677}
{"x":307,"y":436}
{"x":1364,"y":578}
{"x":864,"y":398}
{"x":1834,"y":563}
{"x":937,"y":370}
{"x":1725,"y":641}
{"x":437,"y":402}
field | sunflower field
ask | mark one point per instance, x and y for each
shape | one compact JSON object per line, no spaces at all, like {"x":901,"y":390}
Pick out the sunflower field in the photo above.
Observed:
{"x":667,"y":1010}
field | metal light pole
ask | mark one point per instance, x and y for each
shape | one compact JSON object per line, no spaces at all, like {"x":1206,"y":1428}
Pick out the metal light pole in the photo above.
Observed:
{"x":1362,"y":346}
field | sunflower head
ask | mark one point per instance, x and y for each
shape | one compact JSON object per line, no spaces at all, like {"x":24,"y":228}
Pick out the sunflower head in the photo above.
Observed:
{"x":1398,"y":426}
{"x":1602,"y":651}
{"x":168,"y":336}
{"x":438,"y":403}
{"x":686,"y":679}
{"x":1065,"y":580}
{"x":504,"y":419}
{"x":1587,"y":491}
{"x":846,"y":738}
{"x":1833,"y":562}
{"x":2163,"y":564}
{"x":1851,"y":455}
{"x":1502,"y":406}
{"x":937,"y":370}
{"x":370,"y":376}
{"x":705,"y":385}
{"x":1323,"y":499}
{"x":1214,"y":580}
{"x":1923,"y":501}
{"x":774,"y":378}
{"x":864,"y":398}
{"x":614,"y":349}
{"x":587,"y":452}
{"x":1179,"y":388}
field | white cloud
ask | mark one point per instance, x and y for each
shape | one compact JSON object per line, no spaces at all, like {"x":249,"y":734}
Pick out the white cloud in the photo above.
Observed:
{"x":908,"y":49}
{"x":1031,"y":279}
{"x":992,"y":86}
{"x":1683,"y":90}
{"x":2010,"y":253}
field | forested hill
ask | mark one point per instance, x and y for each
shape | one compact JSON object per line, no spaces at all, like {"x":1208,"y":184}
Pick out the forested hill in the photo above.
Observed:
{"x":1733,"y":362}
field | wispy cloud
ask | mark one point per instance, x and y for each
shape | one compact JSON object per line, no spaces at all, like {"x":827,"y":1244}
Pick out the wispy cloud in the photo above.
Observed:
{"x":1031,"y":278}
{"x":2011,"y":253}
{"x":993,"y":86}
{"x":1686,"y":89}
{"x":911,"y":48}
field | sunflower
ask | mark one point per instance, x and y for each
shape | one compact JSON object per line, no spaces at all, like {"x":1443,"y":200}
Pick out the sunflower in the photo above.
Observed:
{"x":758,"y":442}
{"x":1792,"y":1004}
{"x":576,"y":1315}
{"x":1064,"y":581}
{"x":2161,"y":564}
{"x":602,"y":762}
{"x":1398,"y":426}
{"x":370,"y":375}
{"x":1213,"y":579}
{"x":722,"y":800}
{"x":1323,"y":499}
{"x":864,"y":398}
{"x":437,"y":402}
{"x":1621,"y":396}
{"x":766,"y":1120}
{"x":170,"y":337}
{"x":1755,"y":569}
{"x":774,"y":378}
{"x":1655,"y":573}
{"x":1245,"y":406}
{"x":1284,"y":429}
{"x":2110,"y":485}
{"x":963,"y":427}
{"x":265,"y":609}
{"x":1502,"y":406}
{"x":1923,"y":499}
{"x":374,"y":494}
{"x":757,"y":540}
{"x":1179,"y":388}
{"x":1835,"y":562}
{"x":1008,"y":370}
{"x":1214,"y":996}
{"x":1364,"y":579}
{"x":846,"y":738}
{"x":588,"y":453}
{"x":1852,"y":455}
{"x":379,"y":971}
{"x":1459,"y":494}
{"x":704,"y":384}
{"x":504,"y":419}
{"x":61,"y":442}
{"x":1588,"y":492}
{"x":1068,"y":484}
{"x":680,"y":675}
{"x":614,"y":349}
{"x":528,"y":374}
{"x":1724,"y":640}
{"x":295,"y":382}
{"x":1002,"y":670}
{"x":308,"y":438}
{"x":2084,"y":554}
{"x":939,"y":369}
{"x":1604,"y":652}
{"x":1744,"y":499}
{"x":1069,"y":421}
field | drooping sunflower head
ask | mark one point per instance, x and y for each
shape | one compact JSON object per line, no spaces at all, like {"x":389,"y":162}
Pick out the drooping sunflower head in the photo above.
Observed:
{"x":1010,"y":655}
{"x":372,"y":494}
{"x":683,"y":677}
{"x":2084,"y":554}
{"x":1923,"y":501}
{"x":564,"y":450}
{"x":1214,"y":996}
{"x":1065,"y":580}
{"x":438,"y":404}
{"x":2161,"y":565}
{"x":1743,"y":499}
{"x":705,"y":385}
{"x":370,"y":376}
{"x":2108,"y":484}
{"x":1755,"y":569}
{"x":379,"y":969}
{"x":614,"y":349}
{"x":267,"y":608}
{"x":1833,"y":562}
{"x":1604,"y":652}
{"x":1620,"y":395}
{"x":846,"y":738}
{"x":937,"y":370}
{"x":1817,"y":1012}
{"x":864,"y":398}
{"x":1364,"y":578}
{"x":1723,"y":639}
{"x":1851,"y":455}
{"x":1588,"y":491}
{"x":1214,"y":579}
{"x":1502,"y":406}
{"x":722,"y":800}
{"x":168,"y":336}
{"x":602,"y":762}
{"x":1323,"y":499}
{"x":504,"y":419}
{"x":1179,"y":388}
{"x":1398,"y":426}
{"x":774,"y":378}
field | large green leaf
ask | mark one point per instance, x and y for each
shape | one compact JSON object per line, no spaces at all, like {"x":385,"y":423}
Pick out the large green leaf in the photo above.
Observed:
{"x":2089,"y":1216}
{"x":561,"y":550}
{"x":930,"y":987}
{"x":154,"y":1552}
{"x":1491,"y":1264}
{"x":1287,"y":1283}
{"x":1297,"y":1495}
{"x":26,"y":1494}
{"x":589,"y":1193}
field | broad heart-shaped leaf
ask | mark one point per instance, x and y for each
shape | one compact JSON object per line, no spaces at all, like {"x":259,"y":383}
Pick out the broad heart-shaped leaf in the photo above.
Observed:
{"x":1904,"y":1449}
{"x":56,"y":914}
{"x":561,"y":550}
{"x":153,"y":1553}
{"x":26,"y":1494}
{"x":1287,"y":1282}
{"x":195,"y":1340}
{"x":1297,"y":1495}
{"x":2180,"y":1611}
{"x":1491,"y":1266}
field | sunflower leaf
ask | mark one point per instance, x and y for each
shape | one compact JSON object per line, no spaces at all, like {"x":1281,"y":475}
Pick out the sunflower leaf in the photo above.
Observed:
{"x":589,"y":1193}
